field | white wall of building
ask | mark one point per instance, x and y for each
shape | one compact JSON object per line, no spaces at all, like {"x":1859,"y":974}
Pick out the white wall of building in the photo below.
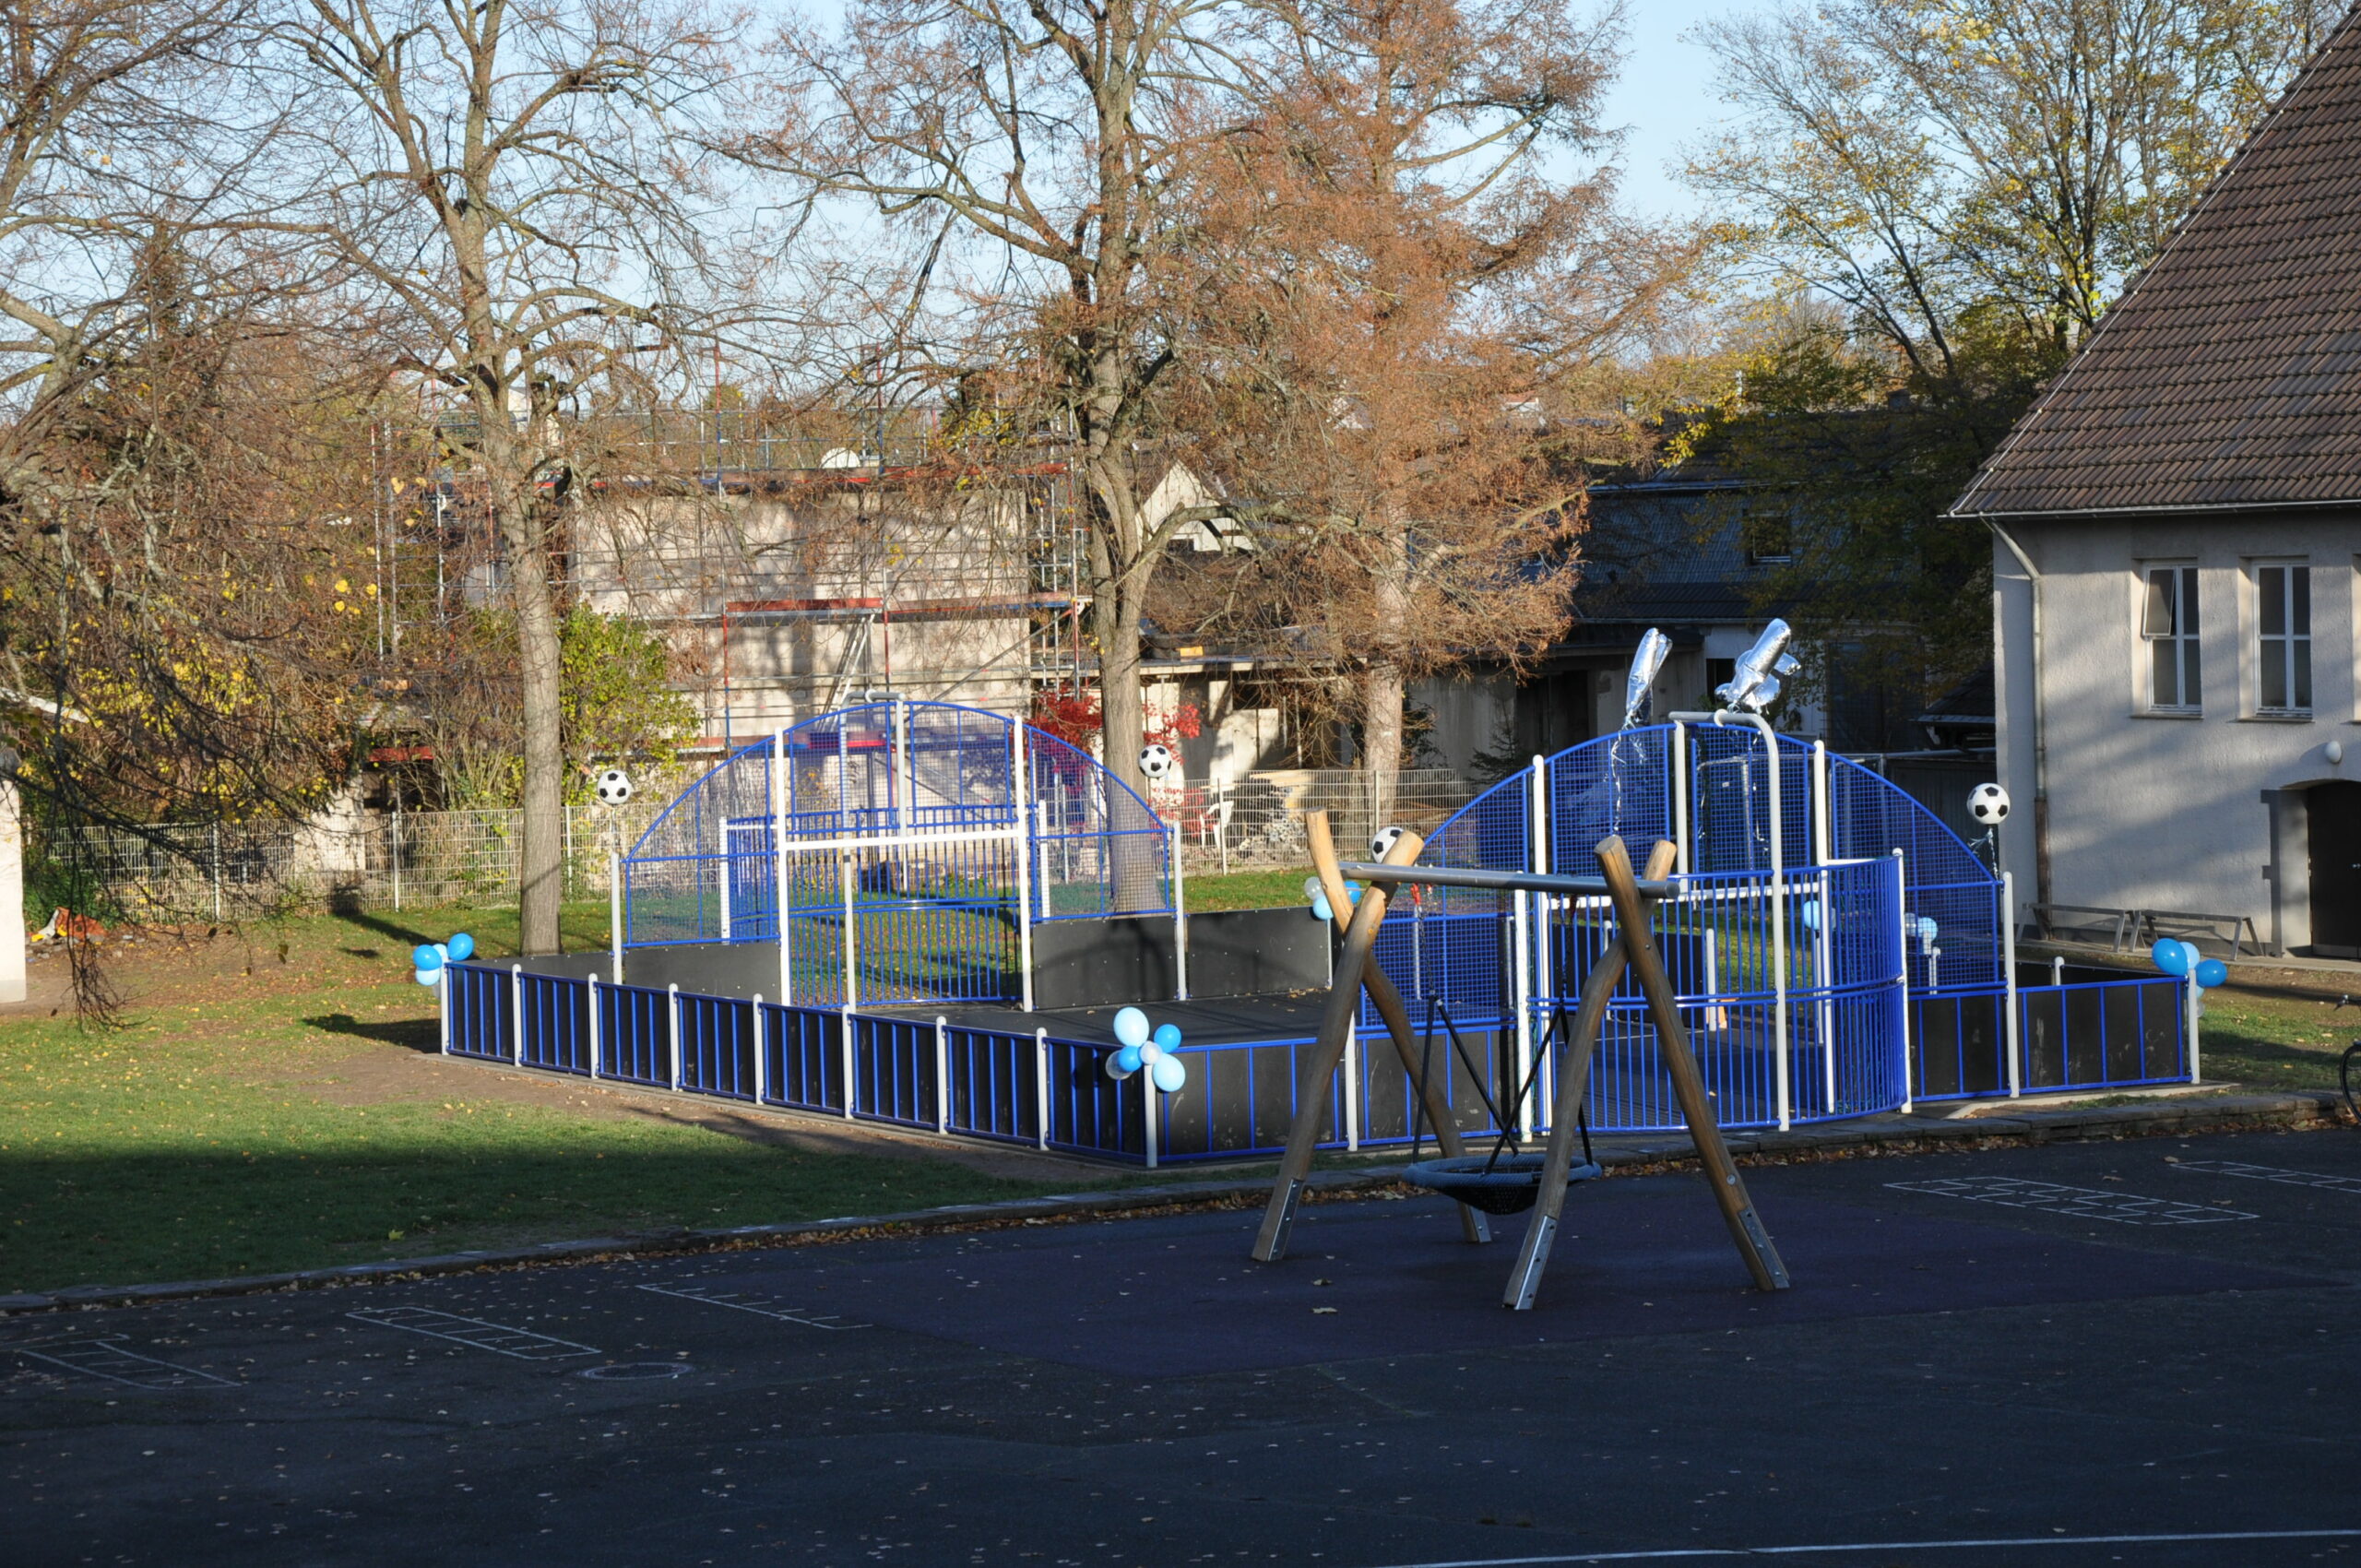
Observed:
{"x":2200,"y":812}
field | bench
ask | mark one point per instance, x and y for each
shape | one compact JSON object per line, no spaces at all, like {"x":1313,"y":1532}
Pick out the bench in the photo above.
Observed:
{"x":2142,"y":928}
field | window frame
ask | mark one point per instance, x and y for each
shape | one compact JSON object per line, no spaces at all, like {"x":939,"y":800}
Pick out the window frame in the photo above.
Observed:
{"x":2289,"y":648}
{"x":2184,"y":634}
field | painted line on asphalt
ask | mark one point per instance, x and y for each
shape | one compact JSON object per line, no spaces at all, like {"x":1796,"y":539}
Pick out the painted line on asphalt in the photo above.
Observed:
{"x":2271,"y":1174}
{"x":751,"y":1301}
{"x":2154,"y":1539}
{"x":107,"y":1359}
{"x":2073,"y":1202}
{"x":473,"y":1332}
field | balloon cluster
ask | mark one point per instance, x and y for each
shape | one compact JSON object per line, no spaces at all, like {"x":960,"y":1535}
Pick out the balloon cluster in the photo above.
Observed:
{"x":1141,"y":1050}
{"x":2180,"y":960}
{"x":1313,"y":890}
{"x":430,"y":957}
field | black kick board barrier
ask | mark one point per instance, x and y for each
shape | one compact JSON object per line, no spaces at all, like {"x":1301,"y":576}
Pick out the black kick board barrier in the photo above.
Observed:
{"x":1117,"y":959}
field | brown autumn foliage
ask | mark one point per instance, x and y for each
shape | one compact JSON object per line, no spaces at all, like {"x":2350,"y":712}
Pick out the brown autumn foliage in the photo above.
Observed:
{"x":1401,"y":283}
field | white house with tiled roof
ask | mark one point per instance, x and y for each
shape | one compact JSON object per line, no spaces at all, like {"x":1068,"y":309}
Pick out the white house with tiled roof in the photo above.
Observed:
{"x":2177,"y":550}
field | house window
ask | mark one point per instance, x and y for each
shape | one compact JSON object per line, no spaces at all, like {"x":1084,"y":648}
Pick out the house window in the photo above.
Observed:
{"x":2283,"y":630}
{"x":2168,"y":622}
{"x":1768,"y":538}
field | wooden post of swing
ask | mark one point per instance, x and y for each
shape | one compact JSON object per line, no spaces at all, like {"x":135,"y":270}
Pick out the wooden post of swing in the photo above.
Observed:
{"x":1473,"y":1222}
{"x":1353,"y":966}
{"x":1635,"y":944}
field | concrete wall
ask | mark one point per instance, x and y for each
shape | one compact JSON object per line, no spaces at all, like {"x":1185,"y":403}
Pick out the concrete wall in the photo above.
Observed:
{"x":2200,"y":812}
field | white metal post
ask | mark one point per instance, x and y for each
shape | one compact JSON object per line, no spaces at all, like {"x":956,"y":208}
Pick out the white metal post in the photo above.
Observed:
{"x":515,"y":1009}
{"x":1823,"y":825}
{"x":394,"y":846}
{"x":1902,"y":913}
{"x":442,"y":1006}
{"x":1179,"y":923}
{"x":2009,"y":984}
{"x":1520,"y":954}
{"x":1147,"y":1114}
{"x":1352,"y":1087}
{"x":217,"y":874}
{"x":1041,"y":1086}
{"x":1680,"y":797}
{"x":899,"y":796}
{"x":778,"y":850}
{"x":673,"y":1028}
{"x":2196,"y":1002}
{"x":762,"y":1056}
{"x":1027,"y":842}
{"x":722,"y":879}
{"x":844,"y":863}
{"x":844,"y":1041}
{"x":1544,"y":982}
{"x":1823,"y":957}
{"x":942,"y":1073}
{"x":615,"y":913}
{"x":593,"y":981}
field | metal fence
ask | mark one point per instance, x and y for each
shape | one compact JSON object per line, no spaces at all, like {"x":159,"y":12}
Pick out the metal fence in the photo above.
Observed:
{"x":1258,"y":820}
{"x":383,"y":861}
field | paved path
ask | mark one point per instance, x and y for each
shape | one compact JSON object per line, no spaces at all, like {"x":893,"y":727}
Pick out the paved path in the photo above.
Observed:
{"x":2147,"y":1339}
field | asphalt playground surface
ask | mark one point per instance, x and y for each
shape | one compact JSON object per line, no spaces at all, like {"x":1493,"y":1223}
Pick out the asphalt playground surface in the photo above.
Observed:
{"x":2145,"y":1352}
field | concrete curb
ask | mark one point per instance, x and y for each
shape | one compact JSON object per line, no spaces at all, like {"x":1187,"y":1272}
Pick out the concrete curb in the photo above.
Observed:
{"x":1870,"y":1136}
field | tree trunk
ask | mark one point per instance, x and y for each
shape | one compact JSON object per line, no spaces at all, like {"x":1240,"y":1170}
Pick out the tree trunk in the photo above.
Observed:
{"x":541,"y":880}
{"x":1381,"y":739}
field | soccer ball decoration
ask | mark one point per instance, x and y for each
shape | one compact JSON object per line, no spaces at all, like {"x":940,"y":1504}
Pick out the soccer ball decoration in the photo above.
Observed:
{"x":614,"y":787}
{"x":1382,"y":845}
{"x":1988,"y":803}
{"x":1156,"y":761}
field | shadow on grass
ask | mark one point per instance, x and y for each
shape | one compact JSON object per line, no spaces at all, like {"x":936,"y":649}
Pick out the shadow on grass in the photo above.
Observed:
{"x":412,"y":1034}
{"x":2268,"y":1063}
{"x":436,"y":1183}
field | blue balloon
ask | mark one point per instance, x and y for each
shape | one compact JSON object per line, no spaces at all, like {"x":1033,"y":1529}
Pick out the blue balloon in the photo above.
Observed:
{"x":1127,"y":1061}
{"x":1169,"y":1075}
{"x":1353,"y":891}
{"x":1131,"y":1027}
{"x":1320,"y":908}
{"x":1169,"y":1036}
{"x":1927,"y":929}
{"x":1812,"y":914}
{"x":2212,"y":972}
{"x":426,"y":956}
{"x":2169,"y":956}
{"x":462,"y":946}
{"x":1115,"y":1068}
{"x":2188,"y":951}
{"x":428,"y":977}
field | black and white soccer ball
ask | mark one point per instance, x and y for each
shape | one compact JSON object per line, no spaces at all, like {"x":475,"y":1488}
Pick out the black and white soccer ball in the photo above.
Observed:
{"x":1988,"y":803}
{"x":614,"y":787}
{"x":1383,"y":844}
{"x":1156,"y":761}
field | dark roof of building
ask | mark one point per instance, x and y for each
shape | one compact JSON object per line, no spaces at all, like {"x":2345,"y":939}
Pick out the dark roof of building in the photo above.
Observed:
{"x":2229,"y":376}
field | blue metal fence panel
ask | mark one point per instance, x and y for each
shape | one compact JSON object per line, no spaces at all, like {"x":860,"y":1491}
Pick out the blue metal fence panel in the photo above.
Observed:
{"x":556,"y":1030}
{"x":805,"y":1046}
{"x":483,"y":1015}
{"x":635,"y":1035}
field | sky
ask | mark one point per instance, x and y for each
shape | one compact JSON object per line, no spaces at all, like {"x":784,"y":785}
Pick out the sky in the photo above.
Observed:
{"x":1665,"y":98}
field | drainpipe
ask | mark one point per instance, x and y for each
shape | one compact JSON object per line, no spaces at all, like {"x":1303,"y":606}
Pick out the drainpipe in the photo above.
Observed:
{"x":2040,"y":725}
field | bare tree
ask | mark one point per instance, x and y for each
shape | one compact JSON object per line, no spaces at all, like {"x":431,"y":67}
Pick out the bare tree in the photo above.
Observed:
{"x":1035,"y":151}
{"x":520,"y":180}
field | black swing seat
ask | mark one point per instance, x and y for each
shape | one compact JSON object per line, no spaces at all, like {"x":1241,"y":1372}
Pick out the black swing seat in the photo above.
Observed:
{"x":1508,"y":1183}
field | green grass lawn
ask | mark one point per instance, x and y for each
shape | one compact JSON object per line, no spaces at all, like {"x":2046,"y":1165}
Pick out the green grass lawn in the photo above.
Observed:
{"x":2273,"y":1039}
{"x":270,"y":1101}
{"x":263,"y":1107}
{"x":1281,"y":889}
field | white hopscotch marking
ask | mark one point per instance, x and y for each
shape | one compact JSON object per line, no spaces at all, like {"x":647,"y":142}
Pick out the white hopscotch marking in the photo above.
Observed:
{"x":751,"y":1301}
{"x":107,"y":1359}
{"x":1887,"y":1546}
{"x":2273,"y":1174}
{"x":474,"y":1332}
{"x":2074,"y":1203}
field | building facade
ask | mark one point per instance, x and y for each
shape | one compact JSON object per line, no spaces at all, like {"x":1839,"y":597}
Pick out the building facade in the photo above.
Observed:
{"x":2176,"y":554}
